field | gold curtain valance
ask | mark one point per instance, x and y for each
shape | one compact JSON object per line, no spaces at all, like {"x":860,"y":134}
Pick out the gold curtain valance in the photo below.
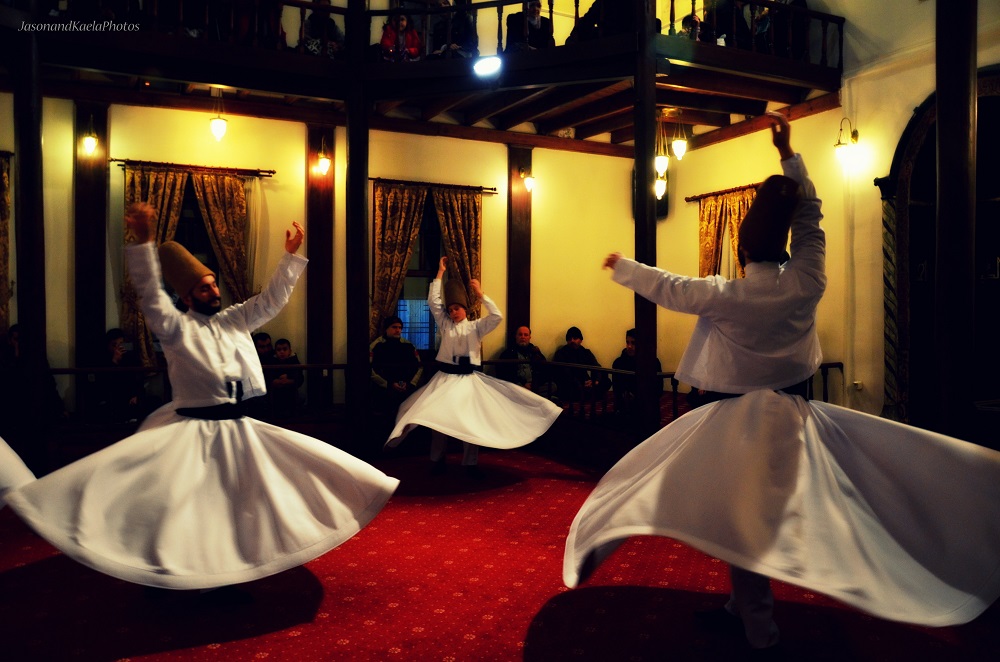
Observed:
{"x":179,"y":167}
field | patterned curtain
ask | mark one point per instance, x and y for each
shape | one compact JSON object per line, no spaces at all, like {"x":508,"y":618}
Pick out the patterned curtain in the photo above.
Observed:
{"x":460,"y":212}
{"x":716,"y":213}
{"x":223,"y":203}
{"x":164,"y":190}
{"x":399,"y":210}
{"x":6,"y":287}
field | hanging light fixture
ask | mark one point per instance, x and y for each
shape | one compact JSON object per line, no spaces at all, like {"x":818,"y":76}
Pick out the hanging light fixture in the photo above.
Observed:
{"x":662,"y":159}
{"x":843,"y":149}
{"x":90,"y":138}
{"x":217,"y":124}
{"x":529,"y":181}
{"x":323,"y":159}
{"x":680,"y":144}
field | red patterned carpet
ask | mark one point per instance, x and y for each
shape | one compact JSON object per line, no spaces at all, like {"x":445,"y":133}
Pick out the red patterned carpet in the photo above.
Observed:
{"x":452,"y":569}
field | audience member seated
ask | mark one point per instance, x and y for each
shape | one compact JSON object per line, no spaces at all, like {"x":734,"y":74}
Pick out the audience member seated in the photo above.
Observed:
{"x":400,"y":41}
{"x":260,"y":406}
{"x":120,"y":395}
{"x":395,"y":365}
{"x":455,"y":39}
{"x":531,"y":375}
{"x":617,"y":18}
{"x":321,"y":29}
{"x":578,"y":384}
{"x":624,"y":386}
{"x":531,"y":33}
{"x":284,"y":378}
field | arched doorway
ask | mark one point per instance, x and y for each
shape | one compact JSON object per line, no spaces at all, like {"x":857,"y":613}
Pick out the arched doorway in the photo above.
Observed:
{"x":909,"y":218}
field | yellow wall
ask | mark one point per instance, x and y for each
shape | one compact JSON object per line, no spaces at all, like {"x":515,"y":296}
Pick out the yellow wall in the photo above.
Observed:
{"x":156,"y":134}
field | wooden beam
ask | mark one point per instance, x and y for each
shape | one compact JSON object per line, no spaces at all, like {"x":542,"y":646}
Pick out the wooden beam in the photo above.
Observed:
{"x":811,"y":107}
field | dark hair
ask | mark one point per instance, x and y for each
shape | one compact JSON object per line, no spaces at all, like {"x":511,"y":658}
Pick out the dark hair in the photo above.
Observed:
{"x":261,"y":335}
{"x":631,"y":334}
{"x":113,"y":334}
{"x":389,"y":321}
{"x":283,"y":341}
{"x":574,"y":332}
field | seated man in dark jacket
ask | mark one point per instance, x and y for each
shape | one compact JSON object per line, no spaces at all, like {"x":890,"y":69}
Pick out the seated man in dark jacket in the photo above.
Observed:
{"x":625,"y":385}
{"x":576,"y":384}
{"x":531,"y":375}
{"x":396,"y":368}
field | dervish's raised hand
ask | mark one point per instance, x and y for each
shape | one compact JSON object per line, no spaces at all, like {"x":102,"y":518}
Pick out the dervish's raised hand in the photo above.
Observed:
{"x":139,"y":217}
{"x":611,"y":260}
{"x":476,"y":287}
{"x":442,"y":266}
{"x":781,"y":134}
{"x":293,"y":242}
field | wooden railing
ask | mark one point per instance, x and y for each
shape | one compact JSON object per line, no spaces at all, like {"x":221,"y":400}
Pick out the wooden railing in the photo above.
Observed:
{"x":774,"y":28}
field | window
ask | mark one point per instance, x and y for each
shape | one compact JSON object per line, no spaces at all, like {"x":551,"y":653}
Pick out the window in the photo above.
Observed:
{"x":418,"y":324}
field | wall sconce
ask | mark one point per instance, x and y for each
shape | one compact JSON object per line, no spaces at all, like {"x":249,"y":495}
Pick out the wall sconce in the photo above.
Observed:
{"x":323,"y":159}
{"x":529,"y":181}
{"x":217,"y":124}
{"x":843,"y":149}
{"x":90,"y":139}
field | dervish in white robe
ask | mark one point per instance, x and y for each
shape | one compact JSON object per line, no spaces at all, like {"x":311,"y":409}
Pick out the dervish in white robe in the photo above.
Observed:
{"x":192,"y":503}
{"x":896,"y":521}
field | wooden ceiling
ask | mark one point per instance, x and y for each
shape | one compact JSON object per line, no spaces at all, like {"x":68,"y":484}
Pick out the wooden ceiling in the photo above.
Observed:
{"x":576,"y":97}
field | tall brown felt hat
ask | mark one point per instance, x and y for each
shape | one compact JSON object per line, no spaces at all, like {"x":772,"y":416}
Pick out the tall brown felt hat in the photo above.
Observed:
{"x":763,"y":233}
{"x":454,"y":292}
{"x":181,"y":269}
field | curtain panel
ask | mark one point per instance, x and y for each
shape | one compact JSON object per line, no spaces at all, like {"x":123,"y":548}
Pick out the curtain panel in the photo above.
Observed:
{"x":164,"y":190}
{"x":716,"y":214}
{"x":460,"y":213}
{"x":223,"y":204}
{"x":6,"y":287}
{"x":398,"y":213}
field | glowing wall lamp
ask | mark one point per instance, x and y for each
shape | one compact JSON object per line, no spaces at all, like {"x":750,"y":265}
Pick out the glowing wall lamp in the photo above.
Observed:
{"x":90,"y":139}
{"x":845,"y":150}
{"x":323,"y":159}
{"x":529,"y":181}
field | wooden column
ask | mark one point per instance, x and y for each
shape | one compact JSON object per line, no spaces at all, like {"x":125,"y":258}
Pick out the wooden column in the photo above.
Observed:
{"x":645,"y":211}
{"x":90,"y":214}
{"x":358,"y":243}
{"x":29,"y":230}
{"x":319,"y":275}
{"x":954,"y":274}
{"x":518,"y":239}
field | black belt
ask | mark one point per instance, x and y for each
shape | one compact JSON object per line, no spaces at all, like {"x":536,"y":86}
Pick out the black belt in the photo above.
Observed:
{"x":463,"y":367}
{"x":227,"y":411}
{"x":224,"y":412}
{"x":801,"y":389}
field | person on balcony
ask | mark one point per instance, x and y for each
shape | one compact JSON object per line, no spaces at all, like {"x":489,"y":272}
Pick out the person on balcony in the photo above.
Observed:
{"x":454,"y":35}
{"x":400,"y":41}
{"x":529,"y":30}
